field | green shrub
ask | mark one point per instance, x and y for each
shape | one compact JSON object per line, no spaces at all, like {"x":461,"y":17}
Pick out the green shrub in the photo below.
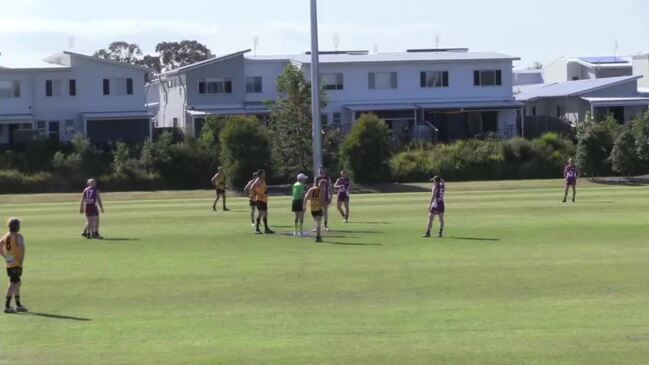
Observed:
{"x":624,"y":159}
{"x":595,"y":144}
{"x":366,"y":150}
{"x":245,"y":147}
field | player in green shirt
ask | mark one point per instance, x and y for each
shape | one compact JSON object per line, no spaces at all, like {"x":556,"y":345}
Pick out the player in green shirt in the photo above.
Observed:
{"x":299,"y":190}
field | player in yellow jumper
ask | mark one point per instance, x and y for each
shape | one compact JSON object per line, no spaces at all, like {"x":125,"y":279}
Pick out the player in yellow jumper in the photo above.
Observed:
{"x":13,"y":250}
{"x":317,"y":195}
{"x":219,"y":184}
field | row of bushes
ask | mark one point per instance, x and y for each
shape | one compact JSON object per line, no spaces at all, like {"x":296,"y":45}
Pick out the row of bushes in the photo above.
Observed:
{"x":494,"y":159}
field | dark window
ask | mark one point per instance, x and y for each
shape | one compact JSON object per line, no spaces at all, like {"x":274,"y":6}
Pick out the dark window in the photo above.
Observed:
{"x":433,"y":79}
{"x":216,"y":86}
{"x":575,"y":78}
{"x":383,"y":80}
{"x":253,"y":85}
{"x":48,"y":88}
{"x":337,"y":118}
{"x":534,"y":111}
{"x":73,"y":87}
{"x":558,"y":111}
{"x":106,"y":86}
{"x":129,"y":86}
{"x":487,"y":78}
{"x":332,"y":81}
{"x":201,"y":87}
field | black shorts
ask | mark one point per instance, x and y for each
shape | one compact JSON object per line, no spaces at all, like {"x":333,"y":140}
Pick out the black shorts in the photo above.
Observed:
{"x":220,"y":192}
{"x":14,"y":274}
{"x":262,"y":206}
{"x":317,"y":213}
{"x":253,"y":203}
{"x":297,"y":206}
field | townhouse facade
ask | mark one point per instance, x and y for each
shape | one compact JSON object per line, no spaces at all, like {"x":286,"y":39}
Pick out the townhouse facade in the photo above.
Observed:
{"x":70,"y":94}
{"x":445,"y":94}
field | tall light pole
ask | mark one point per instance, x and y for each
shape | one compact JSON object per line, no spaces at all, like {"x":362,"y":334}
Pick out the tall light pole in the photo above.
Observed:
{"x":315,"y":90}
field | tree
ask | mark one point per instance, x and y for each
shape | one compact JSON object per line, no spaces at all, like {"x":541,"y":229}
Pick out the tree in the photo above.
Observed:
{"x":623,"y":157}
{"x":153,"y":63}
{"x":641,"y":131}
{"x":366,"y":150}
{"x":595,"y":144}
{"x":291,"y":123}
{"x":245,"y":147}
{"x":178,"y":54}
{"x":121,"y":51}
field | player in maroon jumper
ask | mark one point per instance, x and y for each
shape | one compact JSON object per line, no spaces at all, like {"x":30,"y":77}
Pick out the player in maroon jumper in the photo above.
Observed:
{"x":436,"y":207}
{"x":570,"y":173}
{"x":90,"y":199}
{"x":343,"y":185}
{"x":322,"y":175}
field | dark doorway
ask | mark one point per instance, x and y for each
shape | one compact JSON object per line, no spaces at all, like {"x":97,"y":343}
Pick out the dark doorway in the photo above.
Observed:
{"x":490,"y":122}
{"x":54,"y":131}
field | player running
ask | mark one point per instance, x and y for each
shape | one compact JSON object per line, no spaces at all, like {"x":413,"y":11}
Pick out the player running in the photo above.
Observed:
{"x":436,"y":207}
{"x":570,"y":173}
{"x":343,"y":185}
{"x":90,"y":199}
{"x":297,"y":207}
{"x":251,"y":195}
{"x":328,"y":191}
{"x":316,"y":195}
{"x":218,"y":181}
{"x":261,"y":197}
{"x":12,"y":248}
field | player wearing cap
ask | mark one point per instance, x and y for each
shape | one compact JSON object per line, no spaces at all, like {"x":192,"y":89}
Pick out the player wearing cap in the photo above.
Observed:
{"x":436,"y":206}
{"x":297,"y":207}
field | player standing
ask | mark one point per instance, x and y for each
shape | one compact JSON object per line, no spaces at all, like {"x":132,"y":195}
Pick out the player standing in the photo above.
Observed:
{"x":251,"y":195}
{"x":343,"y":185}
{"x":261,"y":195}
{"x":570,"y":173}
{"x":316,"y":195}
{"x":218,"y":181}
{"x":297,"y":207}
{"x":12,"y":248}
{"x":436,"y":207}
{"x":90,"y":198}
{"x":328,"y":191}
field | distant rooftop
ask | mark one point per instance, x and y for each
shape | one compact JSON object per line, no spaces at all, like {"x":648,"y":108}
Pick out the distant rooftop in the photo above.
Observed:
{"x":569,"y":88}
{"x":412,"y":56}
{"x":604,"y":60}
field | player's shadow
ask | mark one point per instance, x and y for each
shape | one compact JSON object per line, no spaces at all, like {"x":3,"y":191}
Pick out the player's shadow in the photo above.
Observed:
{"x":366,"y":232}
{"x":56,"y":316}
{"x":119,"y":239}
{"x":355,"y":222}
{"x":351,"y":243}
{"x":474,"y":239}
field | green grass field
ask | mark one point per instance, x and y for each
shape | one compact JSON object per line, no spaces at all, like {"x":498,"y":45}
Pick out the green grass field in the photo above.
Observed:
{"x":520,"y":279}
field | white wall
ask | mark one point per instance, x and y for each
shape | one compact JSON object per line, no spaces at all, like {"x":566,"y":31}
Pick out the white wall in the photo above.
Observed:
{"x":22,"y":105}
{"x":269,"y":71}
{"x":641,"y":67}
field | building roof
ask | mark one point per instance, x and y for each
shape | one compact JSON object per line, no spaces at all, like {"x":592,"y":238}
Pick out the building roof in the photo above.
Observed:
{"x":391,"y":57}
{"x":116,"y":115}
{"x":570,"y":88}
{"x":618,"y":101}
{"x":204,"y":63}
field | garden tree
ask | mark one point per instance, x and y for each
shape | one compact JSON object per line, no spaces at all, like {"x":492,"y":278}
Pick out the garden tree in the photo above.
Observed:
{"x":183,"y":53}
{"x":366,"y":150}
{"x":153,"y":63}
{"x":331,"y":142}
{"x":641,"y":132}
{"x":595,"y":144}
{"x":121,"y":157}
{"x":245,"y":147}
{"x":291,"y":123}
{"x":121,"y":51}
{"x":624,"y":159}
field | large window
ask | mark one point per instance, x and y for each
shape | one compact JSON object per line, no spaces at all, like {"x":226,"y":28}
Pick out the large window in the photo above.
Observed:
{"x":487,"y":78}
{"x":332,"y":81}
{"x":118,"y":86}
{"x":382,"y":80}
{"x":253,"y":85}
{"x":433,"y":79}
{"x":55,"y":88}
{"x":9,"y":89}
{"x":215,"y":86}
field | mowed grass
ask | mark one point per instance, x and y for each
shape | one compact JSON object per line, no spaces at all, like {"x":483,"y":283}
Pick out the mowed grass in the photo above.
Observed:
{"x":519,"y":279}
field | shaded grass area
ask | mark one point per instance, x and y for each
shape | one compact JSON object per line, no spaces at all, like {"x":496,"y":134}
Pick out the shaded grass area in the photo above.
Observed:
{"x":520,"y":279}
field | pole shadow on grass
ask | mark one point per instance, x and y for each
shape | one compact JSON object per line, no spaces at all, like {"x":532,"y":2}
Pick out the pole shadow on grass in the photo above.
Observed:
{"x":366,"y":232}
{"x":474,"y":239}
{"x":119,"y":239}
{"x":56,"y":316}
{"x":350,"y":243}
{"x":359,"y":222}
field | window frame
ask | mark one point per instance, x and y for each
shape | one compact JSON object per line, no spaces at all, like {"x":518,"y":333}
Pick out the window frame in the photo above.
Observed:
{"x":257,"y":85}
{"x":205,"y":84}
{"x":478,"y":79}
{"x":394,"y":80}
{"x":339,"y":83}
{"x":424,"y":79}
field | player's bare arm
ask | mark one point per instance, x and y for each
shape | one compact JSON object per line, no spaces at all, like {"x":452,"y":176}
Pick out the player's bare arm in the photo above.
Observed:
{"x":81,"y":206}
{"x":101,"y":205}
{"x":308,"y":196}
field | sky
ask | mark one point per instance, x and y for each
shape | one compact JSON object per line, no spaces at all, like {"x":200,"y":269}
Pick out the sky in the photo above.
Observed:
{"x":536,"y":31}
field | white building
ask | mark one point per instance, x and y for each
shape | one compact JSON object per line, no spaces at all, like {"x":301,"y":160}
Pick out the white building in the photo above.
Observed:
{"x":456,"y":93}
{"x":641,"y":68}
{"x":572,"y":101}
{"x":72,"y":93}
{"x":586,"y":68}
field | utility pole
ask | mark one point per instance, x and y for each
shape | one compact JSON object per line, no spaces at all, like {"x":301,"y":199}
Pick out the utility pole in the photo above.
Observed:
{"x":315,"y":90}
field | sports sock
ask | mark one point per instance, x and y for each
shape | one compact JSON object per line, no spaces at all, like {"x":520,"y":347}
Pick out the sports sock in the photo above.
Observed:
{"x":258,"y":222}
{"x":266,"y":223}
{"x":224,"y":208}
{"x":8,"y":302}
{"x":17,"y":298}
